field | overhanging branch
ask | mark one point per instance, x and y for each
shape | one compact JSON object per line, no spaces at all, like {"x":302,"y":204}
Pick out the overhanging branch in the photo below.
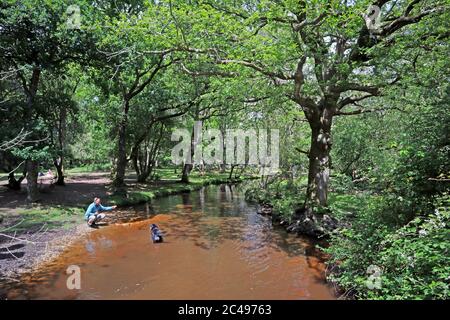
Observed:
{"x":356,"y":112}
{"x":259,"y":68}
{"x":352,"y":100}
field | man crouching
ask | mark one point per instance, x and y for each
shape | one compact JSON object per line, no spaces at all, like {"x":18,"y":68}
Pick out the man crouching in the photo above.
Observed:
{"x":93,"y":214}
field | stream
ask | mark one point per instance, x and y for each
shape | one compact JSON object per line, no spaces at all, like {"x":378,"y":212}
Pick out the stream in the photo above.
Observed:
{"x":215,"y":247}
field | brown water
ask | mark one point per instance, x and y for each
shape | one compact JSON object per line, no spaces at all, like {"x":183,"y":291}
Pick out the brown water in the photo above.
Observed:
{"x":216,"y":247}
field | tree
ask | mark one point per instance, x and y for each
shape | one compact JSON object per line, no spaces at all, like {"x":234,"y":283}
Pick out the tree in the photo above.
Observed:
{"x":325,"y":57}
{"x":165,"y":100}
{"x":57,"y":107}
{"x":32,"y":42}
{"x":134,"y":57}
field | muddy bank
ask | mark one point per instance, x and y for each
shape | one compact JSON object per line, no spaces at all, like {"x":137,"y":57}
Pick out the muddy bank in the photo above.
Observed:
{"x":25,"y":252}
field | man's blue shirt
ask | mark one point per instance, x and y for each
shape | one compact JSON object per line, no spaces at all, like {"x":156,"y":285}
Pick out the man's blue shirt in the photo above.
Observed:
{"x":93,"y":209}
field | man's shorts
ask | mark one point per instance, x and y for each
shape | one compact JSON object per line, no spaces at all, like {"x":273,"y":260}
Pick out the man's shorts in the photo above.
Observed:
{"x":96,"y":218}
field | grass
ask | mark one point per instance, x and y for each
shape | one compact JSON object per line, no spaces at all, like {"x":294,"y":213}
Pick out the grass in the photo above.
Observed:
{"x":53,"y":216}
{"x":88,"y":169}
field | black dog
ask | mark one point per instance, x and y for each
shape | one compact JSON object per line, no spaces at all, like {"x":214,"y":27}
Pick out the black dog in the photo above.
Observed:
{"x":156,"y":233}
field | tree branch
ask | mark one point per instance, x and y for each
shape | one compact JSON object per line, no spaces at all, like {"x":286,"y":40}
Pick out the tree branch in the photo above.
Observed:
{"x":352,"y":100}
{"x":373,"y":90}
{"x":404,"y":21}
{"x":356,"y":112}
{"x":303,"y":151}
{"x":254,"y":66}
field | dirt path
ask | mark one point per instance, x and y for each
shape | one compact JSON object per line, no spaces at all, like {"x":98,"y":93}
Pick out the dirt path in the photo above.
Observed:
{"x":80,"y":189}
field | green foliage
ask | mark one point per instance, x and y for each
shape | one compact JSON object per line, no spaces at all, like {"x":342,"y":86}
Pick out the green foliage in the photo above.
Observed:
{"x":402,"y":226}
{"x":346,"y":205}
{"x":252,"y":64}
{"x":341,"y":183}
{"x":282,"y":194}
{"x":413,"y":258}
{"x":92,"y":149}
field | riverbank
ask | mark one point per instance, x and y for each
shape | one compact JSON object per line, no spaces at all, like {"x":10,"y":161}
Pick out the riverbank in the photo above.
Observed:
{"x":33,"y":234}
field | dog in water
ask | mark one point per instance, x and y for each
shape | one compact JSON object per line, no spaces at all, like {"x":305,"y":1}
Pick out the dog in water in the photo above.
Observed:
{"x":156,"y":233}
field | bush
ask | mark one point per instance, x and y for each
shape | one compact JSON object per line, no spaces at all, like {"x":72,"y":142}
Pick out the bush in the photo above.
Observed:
{"x":413,"y":258}
{"x":284,"y":195}
{"x":341,"y":183}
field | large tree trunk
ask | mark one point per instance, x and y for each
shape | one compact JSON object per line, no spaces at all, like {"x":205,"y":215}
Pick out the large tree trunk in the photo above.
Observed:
{"x":121,"y":164}
{"x":223,"y":165}
{"x":142,"y":168}
{"x":32,"y":184}
{"x":319,"y":164}
{"x":32,"y":165}
{"x":134,"y":161}
{"x":307,"y":221}
{"x":143,"y":177}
